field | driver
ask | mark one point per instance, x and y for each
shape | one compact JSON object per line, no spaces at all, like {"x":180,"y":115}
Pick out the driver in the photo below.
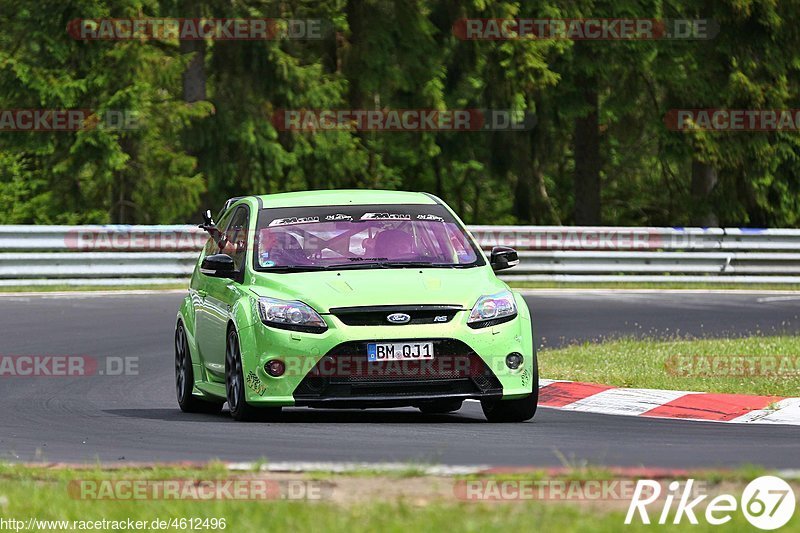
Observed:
{"x":394,"y":244}
{"x":280,"y":248}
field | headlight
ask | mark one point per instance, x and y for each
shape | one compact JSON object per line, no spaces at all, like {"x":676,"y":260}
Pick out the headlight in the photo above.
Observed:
{"x":493,"y":309}
{"x":292,"y":315}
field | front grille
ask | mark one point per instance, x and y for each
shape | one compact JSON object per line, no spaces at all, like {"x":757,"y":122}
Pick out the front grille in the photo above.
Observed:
{"x":377,"y":315}
{"x":398,"y":389}
{"x":345,"y":372}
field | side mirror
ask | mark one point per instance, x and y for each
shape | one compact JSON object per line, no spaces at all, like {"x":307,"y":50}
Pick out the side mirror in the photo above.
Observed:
{"x":218,"y":266}
{"x":503,"y":257}
{"x":207,"y":220}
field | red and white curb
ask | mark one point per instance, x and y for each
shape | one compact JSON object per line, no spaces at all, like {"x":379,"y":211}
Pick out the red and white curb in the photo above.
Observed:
{"x":654,"y":403}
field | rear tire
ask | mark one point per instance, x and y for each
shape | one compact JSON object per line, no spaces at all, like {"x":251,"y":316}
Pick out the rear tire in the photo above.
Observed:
{"x":240,"y":410}
{"x":184,"y":378}
{"x":519,"y":410}
{"x":440,"y":407}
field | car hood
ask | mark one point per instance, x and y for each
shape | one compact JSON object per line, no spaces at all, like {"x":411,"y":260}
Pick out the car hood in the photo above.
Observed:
{"x":407,"y":286}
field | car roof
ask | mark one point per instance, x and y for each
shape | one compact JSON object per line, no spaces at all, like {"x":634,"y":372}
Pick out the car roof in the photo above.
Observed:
{"x":344,"y":197}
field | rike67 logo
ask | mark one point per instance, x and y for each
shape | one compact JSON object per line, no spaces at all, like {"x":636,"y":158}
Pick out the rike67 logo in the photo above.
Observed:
{"x":767,"y":502}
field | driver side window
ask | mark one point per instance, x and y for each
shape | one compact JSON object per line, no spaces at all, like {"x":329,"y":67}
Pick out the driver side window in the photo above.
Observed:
{"x":237,"y":232}
{"x":212,"y":247}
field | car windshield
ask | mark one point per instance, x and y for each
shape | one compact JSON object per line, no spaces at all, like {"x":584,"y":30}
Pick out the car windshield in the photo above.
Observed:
{"x":346,"y":237}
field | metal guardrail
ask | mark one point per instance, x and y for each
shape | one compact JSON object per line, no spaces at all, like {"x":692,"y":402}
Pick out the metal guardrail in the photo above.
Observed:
{"x":154,"y":255}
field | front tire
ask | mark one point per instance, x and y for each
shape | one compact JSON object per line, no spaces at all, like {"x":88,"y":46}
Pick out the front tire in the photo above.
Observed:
{"x":184,"y":378}
{"x":519,"y":410}
{"x":234,"y":385}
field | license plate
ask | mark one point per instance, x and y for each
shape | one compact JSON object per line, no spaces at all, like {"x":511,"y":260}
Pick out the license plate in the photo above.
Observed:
{"x":399,"y":351}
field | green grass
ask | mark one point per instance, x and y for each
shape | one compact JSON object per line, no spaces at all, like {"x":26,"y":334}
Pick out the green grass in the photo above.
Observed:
{"x":742,"y":474}
{"x":664,"y":285}
{"x":407,"y":471}
{"x":660,"y":364}
{"x":43,"y":493}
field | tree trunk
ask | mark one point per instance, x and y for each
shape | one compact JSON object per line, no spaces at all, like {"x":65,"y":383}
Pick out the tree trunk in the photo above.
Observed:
{"x":353,"y":62}
{"x":523,"y":191}
{"x":704,"y":179}
{"x":437,"y":169}
{"x":587,"y":158}
{"x":532,"y":204}
{"x":357,"y":12}
{"x":194,"y":90}
{"x":194,"y":78}
{"x":757,"y":216}
{"x":545,"y":212}
{"x":124,"y":210}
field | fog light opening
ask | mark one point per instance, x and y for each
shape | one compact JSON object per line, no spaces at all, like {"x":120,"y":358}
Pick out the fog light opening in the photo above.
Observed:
{"x":275,"y":368}
{"x":514,"y":360}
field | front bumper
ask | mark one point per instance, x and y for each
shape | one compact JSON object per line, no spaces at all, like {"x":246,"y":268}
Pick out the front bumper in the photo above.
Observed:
{"x":468,"y":364}
{"x":345,"y":377}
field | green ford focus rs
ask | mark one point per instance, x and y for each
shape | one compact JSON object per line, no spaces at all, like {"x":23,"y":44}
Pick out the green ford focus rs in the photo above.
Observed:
{"x":351,"y":299}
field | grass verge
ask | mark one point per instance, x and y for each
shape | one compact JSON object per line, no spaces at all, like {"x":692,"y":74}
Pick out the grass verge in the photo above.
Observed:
{"x":354,"y":503}
{"x":789,"y":287}
{"x":752,"y":365}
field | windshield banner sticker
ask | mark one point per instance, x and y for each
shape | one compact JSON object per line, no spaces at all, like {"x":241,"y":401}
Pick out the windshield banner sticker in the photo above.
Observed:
{"x":434,"y":218}
{"x":338,"y":216}
{"x":291,"y":221}
{"x":385,"y":216}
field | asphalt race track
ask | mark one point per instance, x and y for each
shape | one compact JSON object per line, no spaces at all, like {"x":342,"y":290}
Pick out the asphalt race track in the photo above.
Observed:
{"x":136,"y":418}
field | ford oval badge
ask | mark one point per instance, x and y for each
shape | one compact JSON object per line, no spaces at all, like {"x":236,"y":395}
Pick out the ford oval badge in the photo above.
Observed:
{"x":399,"y":318}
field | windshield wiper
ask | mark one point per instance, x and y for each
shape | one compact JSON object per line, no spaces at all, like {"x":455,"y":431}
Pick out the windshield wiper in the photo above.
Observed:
{"x":415,"y":264}
{"x":293,"y":268}
{"x":318,"y":268}
{"x":354,"y":265}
